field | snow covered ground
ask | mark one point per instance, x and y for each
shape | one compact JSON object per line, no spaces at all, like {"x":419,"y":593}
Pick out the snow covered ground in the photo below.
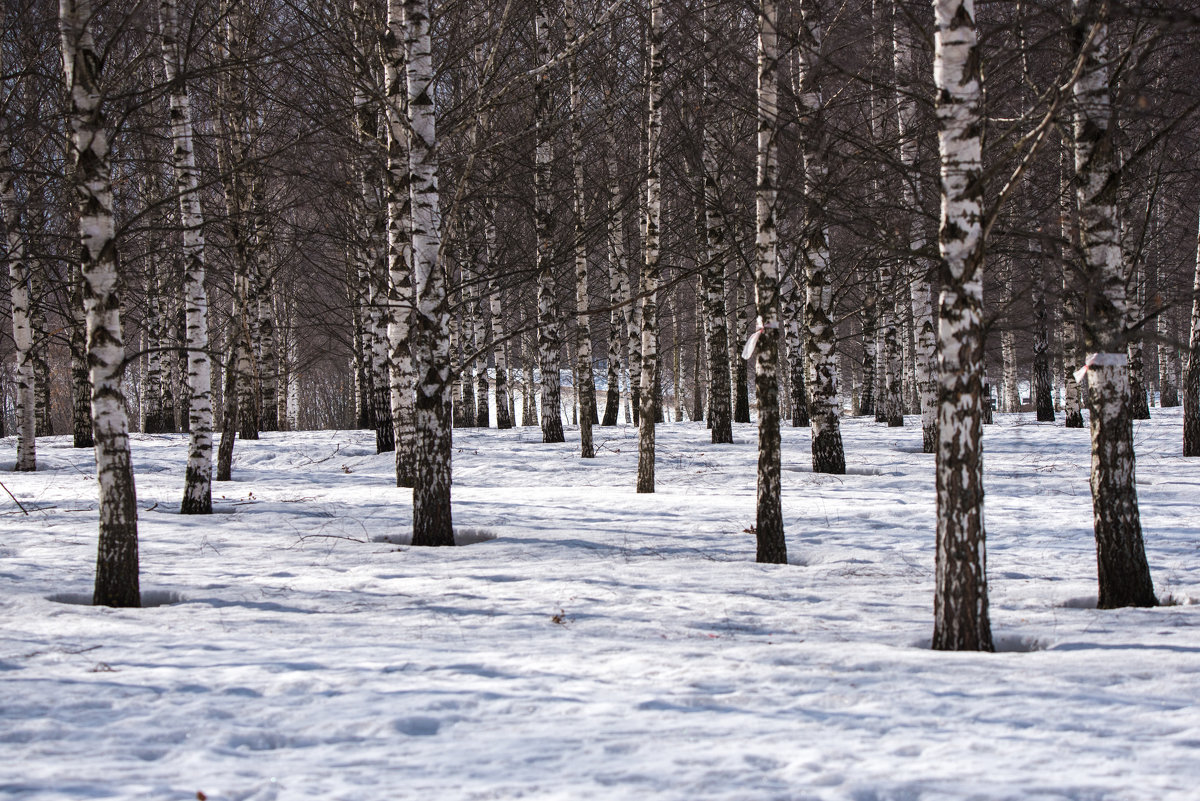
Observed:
{"x":592,"y":643}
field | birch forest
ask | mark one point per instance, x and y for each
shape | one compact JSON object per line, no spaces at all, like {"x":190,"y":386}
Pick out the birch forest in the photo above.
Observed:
{"x":225,"y":219}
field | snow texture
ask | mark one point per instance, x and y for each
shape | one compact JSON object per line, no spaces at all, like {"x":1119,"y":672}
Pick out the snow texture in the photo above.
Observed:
{"x":590,"y":642}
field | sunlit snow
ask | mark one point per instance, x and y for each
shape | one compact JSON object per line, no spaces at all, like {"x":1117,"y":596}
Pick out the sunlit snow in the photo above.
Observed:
{"x":589,"y":642}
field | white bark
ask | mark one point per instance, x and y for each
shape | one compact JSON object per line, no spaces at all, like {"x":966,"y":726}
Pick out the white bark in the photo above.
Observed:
{"x":1123,"y":571}
{"x":1072,"y":360}
{"x":652,"y":244}
{"x":1191,"y":373}
{"x":961,"y":620}
{"x":548,"y":333}
{"x":828,"y":455}
{"x":197,"y":492}
{"x":432,"y":523}
{"x":1008,"y":350}
{"x":717,"y":256}
{"x":117,"y":557}
{"x":402,"y":374}
{"x":618,"y":279}
{"x":25,"y":401}
{"x":918,"y":273}
{"x":769,"y":518}
{"x":585,"y":384}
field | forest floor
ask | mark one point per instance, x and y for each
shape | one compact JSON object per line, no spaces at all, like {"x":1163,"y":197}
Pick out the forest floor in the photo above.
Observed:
{"x":589,"y":642}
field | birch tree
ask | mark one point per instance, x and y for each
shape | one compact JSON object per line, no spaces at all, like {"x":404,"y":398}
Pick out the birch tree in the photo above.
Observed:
{"x":238,"y":416}
{"x":1191,"y":372}
{"x":489,"y":300}
{"x":772,"y":547}
{"x":20,"y":280}
{"x":961,"y":620}
{"x":1123,"y":571}
{"x":370,"y":247}
{"x":197,"y":491}
{"x":81,"y":385}
{"x":432,"y":523}
{"x":504,"y":410}
{"x":117,"y":555}
{"x":548,"y":337}
{"x":1043,"y":385}
{"x":716,"y":252}
{"x":618,"y":278}
{"x":917,"y":270}
{"x":1008,"y":345}
{"x":1168,"y":392}
{"x":652,"y":233}
{"x":1069,"y":214}
{"x":585,"y":385}
{"x":402,"y":373}
{"x":828,"y":455}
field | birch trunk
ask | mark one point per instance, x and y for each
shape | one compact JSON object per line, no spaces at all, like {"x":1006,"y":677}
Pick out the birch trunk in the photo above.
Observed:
{"x":504,"y":410}
{"x":1168,"y":390}
{"x":891,"y":308}
{"x":1191,"y":371}
{"x":371,"y":252}
{"x":480,"y":268}
{"x":25,"y":401}
{"x":961,"y":620}
{"x":229,"y":414}
{"x":616,"y":329}
{"x":870,"y":321}
{"x":1123,"y":571}
{"x":1139,"y":407}
{"x":432,"y":524}
{"x":81,"y":382}
{"x":699,"y":380}
{"x":117,"y":556}
{"x":893,"y":354}
{"x":491,"y":294}
{"x":918,"y":272}
{"x":633,"y":339}
{"x":197,"y":491}
{"x":828,"y":455}
{"x":250,"y":377}
{"x":1043,"y":384}
{"x":358,"y":358}
{"x":676,"y":359}
{"x":41,"y":342}
{"x":152,"y":410}
{"x":402,"y":371}
{"x":529,"y":410}
{"x":741,"y":385}
{"x":795,"y":351}
{"x":1069,"y":214}
{"x":651,"y":230}
{"x":174,"y":357}
{"x":548,"y":335}
{"x":716,"y":249}
{"x":620,"y":336}
{"x":585,"y":384}
{"x":292,"y":400}
{"x":1008,"y":348}
{"x":289,"y":350}
{"x":618,"y":281}
{"x":469,"y":342}
{"x":263,"y":321}
{"x":233,"y":153}
{"x":881,"y":353}
{"x":772,"y":548}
